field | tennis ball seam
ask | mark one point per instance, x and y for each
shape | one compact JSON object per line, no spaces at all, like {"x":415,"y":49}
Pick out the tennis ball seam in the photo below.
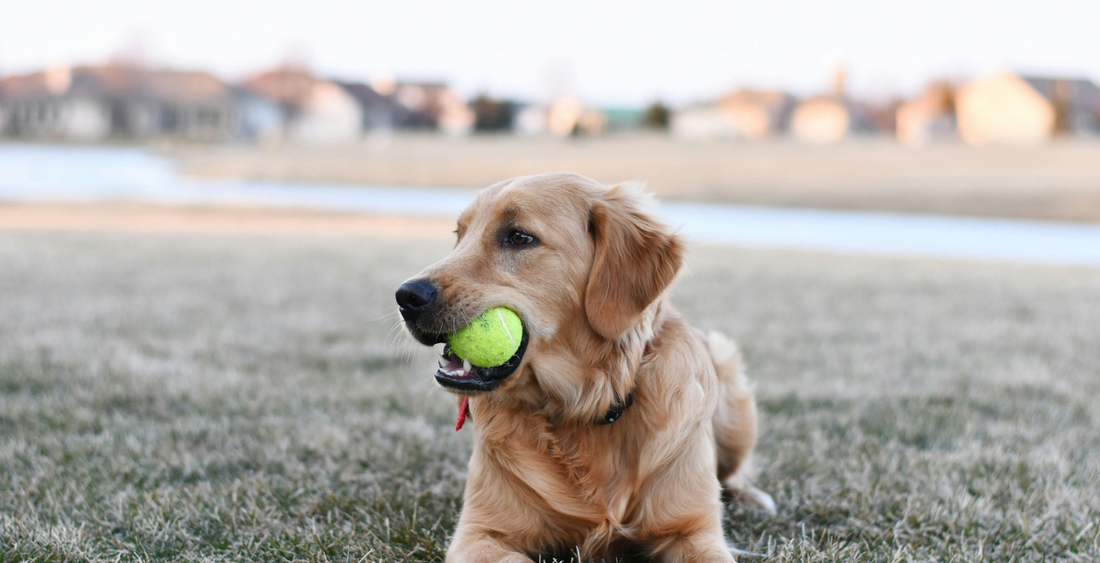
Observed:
{"x":485,"y":343}
{"x":508,"y":331}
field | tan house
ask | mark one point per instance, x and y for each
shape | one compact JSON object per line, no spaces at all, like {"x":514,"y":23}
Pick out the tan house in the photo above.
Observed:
{"x":929,"y":117}
{"x":742,"y":114}
{"x":758,"y":114}
{"x":830,"y":119}
{"x":1010,"y":108}
{"x":833,"y":117}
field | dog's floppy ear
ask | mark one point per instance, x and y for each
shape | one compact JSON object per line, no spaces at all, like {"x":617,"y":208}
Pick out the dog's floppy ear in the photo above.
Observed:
{"x":636,"y":259}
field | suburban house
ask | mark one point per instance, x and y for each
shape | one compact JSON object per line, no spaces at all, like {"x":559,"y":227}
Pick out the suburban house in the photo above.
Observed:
{"x":318,"y":110}
{"x":929,"y":117}
{"x":1009,"y":108}
{"x":829,"y":119}
{"x":380,"y":112}
{"x":702,"y":122}
{"x":832,"y":117}
{"x":91,"y":103}
{"x":258,"y":119}
{"x":741,"y":114}
{"x":563,"y":116}
{"x":189,"y":105}
{"x":314,"y":110}
{"x":96,"y":103}
{"x":759,"y":113}
{"x":48,"y":105}
{"x":434,"y":105}
{"x":530,"y":120}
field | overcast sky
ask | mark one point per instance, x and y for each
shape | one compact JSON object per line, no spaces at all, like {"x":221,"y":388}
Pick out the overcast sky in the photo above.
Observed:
{"x":606,"y":53}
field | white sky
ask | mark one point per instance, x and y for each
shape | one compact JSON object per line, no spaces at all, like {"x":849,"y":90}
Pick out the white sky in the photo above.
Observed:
{"x":607,"y":53}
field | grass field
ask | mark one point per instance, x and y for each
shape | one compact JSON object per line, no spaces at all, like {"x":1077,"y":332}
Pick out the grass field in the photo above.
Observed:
{"x":192,"y":397}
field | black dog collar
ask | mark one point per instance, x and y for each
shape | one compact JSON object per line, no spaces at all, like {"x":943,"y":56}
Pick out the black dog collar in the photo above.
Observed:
{"x":616,"y":410}
{"x":618,"y":407}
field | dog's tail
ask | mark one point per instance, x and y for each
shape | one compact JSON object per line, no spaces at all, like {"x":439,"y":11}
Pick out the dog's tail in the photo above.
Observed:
{"x":735,"y":419}
{"x":727,"y":360}
{"x":735,"y":424}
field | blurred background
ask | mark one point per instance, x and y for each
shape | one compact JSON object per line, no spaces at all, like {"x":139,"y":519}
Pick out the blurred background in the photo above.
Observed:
{"x":973,"y":108}
{"x":206,"y":206}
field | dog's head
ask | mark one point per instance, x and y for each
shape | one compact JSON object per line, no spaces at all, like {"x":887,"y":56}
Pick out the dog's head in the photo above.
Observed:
{"x":582,"y":265}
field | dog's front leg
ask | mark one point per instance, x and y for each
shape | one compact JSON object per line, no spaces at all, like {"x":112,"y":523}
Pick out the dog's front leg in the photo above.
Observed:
{"x":684,"y":514}
{"x":469,"y":547}
{"x":696,"y":548}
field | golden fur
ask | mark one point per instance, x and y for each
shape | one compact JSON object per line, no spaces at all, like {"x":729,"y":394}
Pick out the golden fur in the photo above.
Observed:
{"x":544,"y":478}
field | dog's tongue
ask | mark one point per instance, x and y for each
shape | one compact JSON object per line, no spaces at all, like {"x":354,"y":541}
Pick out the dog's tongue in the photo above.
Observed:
{"x":463,"y":410}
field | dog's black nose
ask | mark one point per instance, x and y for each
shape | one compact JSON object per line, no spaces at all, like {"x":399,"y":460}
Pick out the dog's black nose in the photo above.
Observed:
{"x":413,"y":297}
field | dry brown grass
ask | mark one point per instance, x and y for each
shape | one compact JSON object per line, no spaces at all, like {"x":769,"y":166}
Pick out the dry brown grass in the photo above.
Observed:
{"x":130,"y":217}
{"x":1057,"y":181}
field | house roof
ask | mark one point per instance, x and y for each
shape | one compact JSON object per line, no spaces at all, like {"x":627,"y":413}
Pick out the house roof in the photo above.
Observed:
{"x":110,"y":79}
{"x":425,"y":84}
{"x":378,"y":110}
{"x":187,"y":86}
{"x":114,"y":80}
{"x":365,"y":95}
{"x":1080,"y":94}
{"x":25,"y":85}
{"x":285,"y":85}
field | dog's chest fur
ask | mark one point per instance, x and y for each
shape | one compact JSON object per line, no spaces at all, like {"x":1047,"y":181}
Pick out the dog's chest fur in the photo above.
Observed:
{"x":581,"y":481}
{"x":578,"y":483}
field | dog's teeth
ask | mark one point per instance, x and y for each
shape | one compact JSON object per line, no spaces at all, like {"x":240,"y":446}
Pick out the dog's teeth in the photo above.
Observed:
{"x":466,"y":365}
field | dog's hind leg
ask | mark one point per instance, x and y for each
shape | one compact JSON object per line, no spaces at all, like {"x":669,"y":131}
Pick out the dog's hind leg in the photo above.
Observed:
{"x":735,"y":426}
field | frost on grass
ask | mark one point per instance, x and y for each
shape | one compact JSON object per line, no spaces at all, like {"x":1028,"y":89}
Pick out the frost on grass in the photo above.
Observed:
{"x":194,"y":398}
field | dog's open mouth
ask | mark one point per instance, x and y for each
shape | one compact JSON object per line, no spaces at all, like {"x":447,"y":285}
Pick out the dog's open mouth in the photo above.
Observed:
{"x":456,"y":373}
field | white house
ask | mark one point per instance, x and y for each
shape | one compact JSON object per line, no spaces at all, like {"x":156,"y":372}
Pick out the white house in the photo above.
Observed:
{"x":314,"y":110}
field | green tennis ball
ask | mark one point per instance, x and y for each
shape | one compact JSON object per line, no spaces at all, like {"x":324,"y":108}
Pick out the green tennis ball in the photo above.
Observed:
{"x":490,"y":339}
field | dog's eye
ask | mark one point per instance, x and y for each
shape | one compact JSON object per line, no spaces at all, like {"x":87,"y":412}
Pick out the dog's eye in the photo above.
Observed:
{"x":519,"y":238}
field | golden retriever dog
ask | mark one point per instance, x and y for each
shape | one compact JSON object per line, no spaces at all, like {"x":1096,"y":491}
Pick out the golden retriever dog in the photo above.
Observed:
{"x":616,"y":428}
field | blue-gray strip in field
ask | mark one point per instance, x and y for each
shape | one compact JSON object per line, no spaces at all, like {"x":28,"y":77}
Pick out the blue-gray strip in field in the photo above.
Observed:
{"x":43,"y":173}
{"x":889,"y":233}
